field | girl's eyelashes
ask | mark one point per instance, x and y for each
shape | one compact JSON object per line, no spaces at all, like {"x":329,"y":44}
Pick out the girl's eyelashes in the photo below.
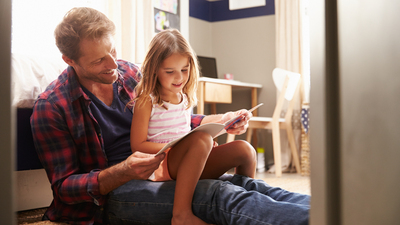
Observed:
{"x":172,"y":71}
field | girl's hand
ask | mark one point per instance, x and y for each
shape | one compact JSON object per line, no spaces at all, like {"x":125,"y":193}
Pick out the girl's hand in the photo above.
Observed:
{"x":241,"y":126}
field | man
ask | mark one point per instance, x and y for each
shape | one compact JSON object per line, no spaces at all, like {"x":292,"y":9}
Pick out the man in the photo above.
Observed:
{"x":81,"y":127}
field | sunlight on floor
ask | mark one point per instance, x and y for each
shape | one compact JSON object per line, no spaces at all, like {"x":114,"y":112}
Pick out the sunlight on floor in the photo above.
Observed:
{"x":289,"y":181}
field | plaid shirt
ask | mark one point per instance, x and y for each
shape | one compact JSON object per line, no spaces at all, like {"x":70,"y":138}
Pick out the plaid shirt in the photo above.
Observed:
{"x":70,"y":146}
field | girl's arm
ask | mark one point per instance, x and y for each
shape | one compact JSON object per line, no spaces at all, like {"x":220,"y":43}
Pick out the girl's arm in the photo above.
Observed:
{"x":238,"y":128}
{"x":139,"y":127}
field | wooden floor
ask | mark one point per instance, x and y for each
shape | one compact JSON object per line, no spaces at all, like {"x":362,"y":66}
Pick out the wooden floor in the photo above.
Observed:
{"x":289,"y":181}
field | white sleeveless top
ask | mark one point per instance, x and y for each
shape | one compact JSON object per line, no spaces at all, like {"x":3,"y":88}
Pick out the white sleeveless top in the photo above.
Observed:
{"x":167,"y":125}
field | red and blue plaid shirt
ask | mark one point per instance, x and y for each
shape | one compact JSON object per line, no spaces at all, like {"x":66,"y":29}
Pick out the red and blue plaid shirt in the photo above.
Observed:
{"x":69,"y":144}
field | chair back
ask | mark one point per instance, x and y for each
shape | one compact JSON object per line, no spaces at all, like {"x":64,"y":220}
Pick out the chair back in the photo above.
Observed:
{"x":279,"y":75}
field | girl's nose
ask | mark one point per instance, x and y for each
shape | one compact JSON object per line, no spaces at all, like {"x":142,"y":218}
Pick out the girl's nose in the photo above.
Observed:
{"x":179,"y":75}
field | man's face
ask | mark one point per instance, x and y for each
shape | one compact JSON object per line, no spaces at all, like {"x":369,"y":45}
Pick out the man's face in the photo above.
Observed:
{"x":97,"y":63}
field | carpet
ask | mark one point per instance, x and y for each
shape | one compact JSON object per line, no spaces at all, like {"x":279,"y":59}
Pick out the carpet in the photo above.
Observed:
{"x":34,"y":217}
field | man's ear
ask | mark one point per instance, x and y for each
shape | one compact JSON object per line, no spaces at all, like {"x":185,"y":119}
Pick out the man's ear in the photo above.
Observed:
{"x":68,"y":60}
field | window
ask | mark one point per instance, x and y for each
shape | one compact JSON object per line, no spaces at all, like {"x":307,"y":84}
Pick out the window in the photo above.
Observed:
{"x":33,"y":24}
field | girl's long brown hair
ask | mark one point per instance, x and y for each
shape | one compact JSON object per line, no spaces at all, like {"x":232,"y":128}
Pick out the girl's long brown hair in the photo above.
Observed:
{"x":163,"y":45}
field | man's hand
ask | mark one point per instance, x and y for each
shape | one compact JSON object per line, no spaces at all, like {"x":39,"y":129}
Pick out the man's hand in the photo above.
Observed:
{"x":241,"y":126}
{"x":137,"y":166}
{"x":141,"y":165}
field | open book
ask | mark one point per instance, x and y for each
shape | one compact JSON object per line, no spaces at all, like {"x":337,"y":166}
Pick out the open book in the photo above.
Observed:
{"x":214,"y":129}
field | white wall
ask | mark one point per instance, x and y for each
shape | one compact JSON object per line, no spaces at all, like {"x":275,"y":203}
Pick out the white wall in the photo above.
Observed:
{"x":246,"y":49}
{"x":200,"y":36}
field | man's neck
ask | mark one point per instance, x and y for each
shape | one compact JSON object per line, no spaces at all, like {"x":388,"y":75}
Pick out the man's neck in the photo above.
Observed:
{"x":104,"y":92}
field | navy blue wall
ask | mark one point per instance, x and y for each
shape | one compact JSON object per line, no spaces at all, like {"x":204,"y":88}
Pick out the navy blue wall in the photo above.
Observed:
{"x":219,"y":10}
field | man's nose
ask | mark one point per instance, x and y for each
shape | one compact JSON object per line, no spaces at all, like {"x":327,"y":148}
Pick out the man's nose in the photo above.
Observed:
{"x":111,"y":62}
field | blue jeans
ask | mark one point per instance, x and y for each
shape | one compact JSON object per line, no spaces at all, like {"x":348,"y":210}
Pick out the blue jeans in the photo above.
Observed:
{"x":241,"y":200}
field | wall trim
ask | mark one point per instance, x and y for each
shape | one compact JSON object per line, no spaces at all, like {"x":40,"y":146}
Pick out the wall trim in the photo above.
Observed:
{"x":219,"y":10}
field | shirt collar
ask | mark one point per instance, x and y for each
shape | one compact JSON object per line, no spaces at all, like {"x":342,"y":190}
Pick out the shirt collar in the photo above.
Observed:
{"x":75,"y":87}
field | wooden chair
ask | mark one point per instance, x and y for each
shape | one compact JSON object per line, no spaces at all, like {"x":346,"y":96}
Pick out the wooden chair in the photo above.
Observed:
{"x":288,"y":83}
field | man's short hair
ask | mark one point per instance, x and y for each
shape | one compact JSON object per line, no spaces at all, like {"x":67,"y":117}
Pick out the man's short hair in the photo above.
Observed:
{"x":81,"y":23}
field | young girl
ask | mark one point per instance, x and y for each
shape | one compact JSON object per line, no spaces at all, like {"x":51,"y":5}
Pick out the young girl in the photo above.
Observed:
{"x":162,"y":113}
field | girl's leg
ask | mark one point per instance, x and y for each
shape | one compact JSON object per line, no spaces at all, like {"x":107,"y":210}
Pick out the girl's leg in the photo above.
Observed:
{"x":238,"y":154}
{"x":186,"y":161}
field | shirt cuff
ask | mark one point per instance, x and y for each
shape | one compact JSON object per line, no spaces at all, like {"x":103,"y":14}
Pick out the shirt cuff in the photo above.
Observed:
{"x":93,"y":188}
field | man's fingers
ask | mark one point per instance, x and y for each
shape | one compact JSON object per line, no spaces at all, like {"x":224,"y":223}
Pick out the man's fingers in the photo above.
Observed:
{"x":142,"y":165}
{"x":139,"y":159}
{"x":145,"y":157}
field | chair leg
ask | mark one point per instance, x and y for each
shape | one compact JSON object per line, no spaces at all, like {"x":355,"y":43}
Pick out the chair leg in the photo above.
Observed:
{"x":276,"y":142}
{"x":230,"y":138}
{"x":249,"y":134}
{"x":293,"y":147}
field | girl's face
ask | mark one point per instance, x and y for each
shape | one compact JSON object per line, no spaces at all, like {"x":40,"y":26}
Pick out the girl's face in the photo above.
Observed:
{"x":173,"y":75}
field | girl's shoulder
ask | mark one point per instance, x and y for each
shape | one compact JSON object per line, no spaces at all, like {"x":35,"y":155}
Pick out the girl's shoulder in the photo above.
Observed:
{"x":142,"y":102}
{"x":153,"y":99}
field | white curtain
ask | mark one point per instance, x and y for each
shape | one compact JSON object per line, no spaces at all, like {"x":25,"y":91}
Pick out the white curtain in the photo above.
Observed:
{"x":135,"y":27}
{"x":292,"y":53}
